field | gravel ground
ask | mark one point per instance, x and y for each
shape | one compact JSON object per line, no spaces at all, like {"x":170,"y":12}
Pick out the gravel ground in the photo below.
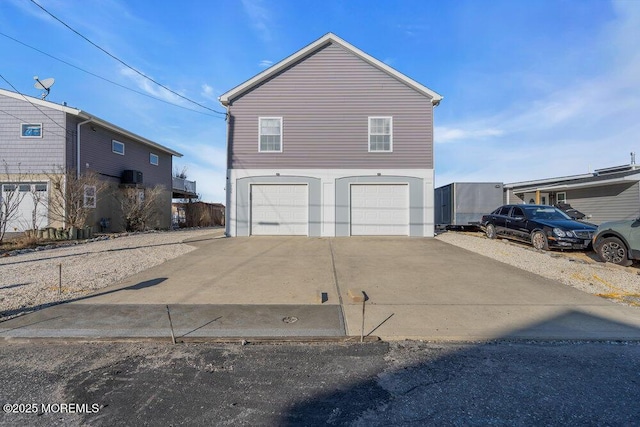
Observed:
{"x":581,"y":270}
{"x":31,"y":280}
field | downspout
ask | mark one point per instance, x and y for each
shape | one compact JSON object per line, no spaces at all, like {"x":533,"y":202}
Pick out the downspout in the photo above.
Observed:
{"x":229,"y":186}
{"x":78,"y":146}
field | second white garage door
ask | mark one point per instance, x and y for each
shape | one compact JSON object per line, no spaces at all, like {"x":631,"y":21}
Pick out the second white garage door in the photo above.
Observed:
{"x":279,"y":210}
{"x":379,"y":210}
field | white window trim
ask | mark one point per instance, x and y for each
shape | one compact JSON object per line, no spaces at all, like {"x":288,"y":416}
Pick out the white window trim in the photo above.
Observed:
{"x":113,"y":144}
{"x":86,"y":197}
{"x":28,"y":136}
{"x":152,"y":156}
{"x":281,"y":134}
{"x":558,"y":198}
{"x":390,"y":150}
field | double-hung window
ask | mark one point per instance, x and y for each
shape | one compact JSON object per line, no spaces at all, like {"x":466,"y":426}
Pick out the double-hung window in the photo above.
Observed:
{"x":153,"y":159}
{"x":270,"y":131}
{"x":380,"y":134}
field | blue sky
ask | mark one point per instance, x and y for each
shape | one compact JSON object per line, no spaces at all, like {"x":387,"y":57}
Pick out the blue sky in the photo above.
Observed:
{"x":532,"y":89}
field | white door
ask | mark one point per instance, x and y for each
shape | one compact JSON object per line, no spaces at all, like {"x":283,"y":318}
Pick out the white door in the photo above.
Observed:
{"x":32,"y":199}
{"x":379,"y":210}
{"x":279,"y":209}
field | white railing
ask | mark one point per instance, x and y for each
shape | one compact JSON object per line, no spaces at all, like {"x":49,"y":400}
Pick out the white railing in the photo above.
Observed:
{"x":182,"y":184}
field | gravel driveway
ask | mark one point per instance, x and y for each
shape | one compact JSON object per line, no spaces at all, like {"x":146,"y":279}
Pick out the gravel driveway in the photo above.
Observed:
{"x":31,"y":280}
{"x":578,"y":269}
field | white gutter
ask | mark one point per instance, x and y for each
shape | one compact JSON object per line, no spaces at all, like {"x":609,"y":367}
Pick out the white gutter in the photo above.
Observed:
{"x":78,"y":146}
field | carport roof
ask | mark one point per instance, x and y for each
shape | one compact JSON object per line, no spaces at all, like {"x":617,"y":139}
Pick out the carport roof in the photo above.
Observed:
{"x":578,"y":181}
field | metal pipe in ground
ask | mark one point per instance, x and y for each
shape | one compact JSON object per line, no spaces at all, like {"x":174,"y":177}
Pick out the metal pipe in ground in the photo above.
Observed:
{"x":173,"y":337}
{"x":364,"y":301}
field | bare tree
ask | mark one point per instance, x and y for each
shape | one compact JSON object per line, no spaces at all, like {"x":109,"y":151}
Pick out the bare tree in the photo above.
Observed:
{"x":139,"y":207}
{"x":180,"y":174}
{"x":73,"y":198}
{"x":10,"y":198}
{"x":38,"y":195}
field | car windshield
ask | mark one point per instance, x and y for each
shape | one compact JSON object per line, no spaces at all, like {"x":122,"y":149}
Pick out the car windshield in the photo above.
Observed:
{"x":545,"y":212}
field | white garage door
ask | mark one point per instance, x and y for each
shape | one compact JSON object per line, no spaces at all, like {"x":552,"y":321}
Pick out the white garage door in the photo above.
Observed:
{"x":279,"y":210}
{"x":31,"y":198}
{"x":379,"y":210}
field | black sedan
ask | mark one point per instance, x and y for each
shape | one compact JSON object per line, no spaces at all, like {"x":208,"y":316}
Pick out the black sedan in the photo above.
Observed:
{"x":541,"y":225}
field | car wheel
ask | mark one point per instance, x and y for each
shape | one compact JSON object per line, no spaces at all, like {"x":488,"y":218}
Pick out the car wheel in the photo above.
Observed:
{"x":613,"y":250}
{"x":539,"y":241}
{"x":491,"y":231}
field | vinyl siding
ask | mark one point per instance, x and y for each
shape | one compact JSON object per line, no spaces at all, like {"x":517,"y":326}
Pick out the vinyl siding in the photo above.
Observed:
{"x":95,"y":150}
{"x":607,"y":203}
{"x":30,"y":155}
{"x":325,"y":101}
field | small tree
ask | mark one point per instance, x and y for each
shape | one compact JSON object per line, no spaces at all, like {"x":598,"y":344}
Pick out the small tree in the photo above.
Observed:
{"x":139,"y":207}
{"x":73,"y":197}
{"x":38,"y":195}
{"x":10,"y":198}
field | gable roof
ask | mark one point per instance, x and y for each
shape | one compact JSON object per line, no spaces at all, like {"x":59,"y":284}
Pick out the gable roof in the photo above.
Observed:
{"x":313,"y":47}
{"x":86,"y":116}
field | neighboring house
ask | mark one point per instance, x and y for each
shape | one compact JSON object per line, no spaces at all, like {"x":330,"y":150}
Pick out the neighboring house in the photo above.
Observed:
{"x":39,"y":138}
{"x":330,"y":142}
{"x":605,"y":195}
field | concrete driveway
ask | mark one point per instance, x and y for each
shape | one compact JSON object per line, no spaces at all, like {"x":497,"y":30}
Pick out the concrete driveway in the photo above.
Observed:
{"x":296,"y":286}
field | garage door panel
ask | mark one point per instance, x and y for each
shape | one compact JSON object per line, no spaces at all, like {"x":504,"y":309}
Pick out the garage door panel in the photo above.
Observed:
{"x":279,"y":209}
{"x":379,"y":209}
{"x":23,"y":195}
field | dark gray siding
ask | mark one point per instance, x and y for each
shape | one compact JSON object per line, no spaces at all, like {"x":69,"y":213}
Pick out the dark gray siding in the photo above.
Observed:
{"x":95,"y":150}
{"x":325,"y":101}
{"x":607,"y":203}
{"x":34,"y":155}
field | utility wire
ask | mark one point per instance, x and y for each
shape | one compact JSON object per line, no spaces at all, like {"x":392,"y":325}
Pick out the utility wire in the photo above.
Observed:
{"x":124,"y":63}
{"x":104,"y":78}
{"x":35,"y":106}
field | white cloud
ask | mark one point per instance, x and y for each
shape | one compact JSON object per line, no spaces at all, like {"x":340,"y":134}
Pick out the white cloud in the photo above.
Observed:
{"x":590,"y":123}
{"x":446,"y":134}
{"x":151,"y":88}
{"x":260,"y":17}
{"x":208,"y":92}
{"x":265,"y":63}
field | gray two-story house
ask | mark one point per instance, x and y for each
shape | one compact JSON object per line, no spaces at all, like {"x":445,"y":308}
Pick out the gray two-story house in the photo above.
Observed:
{"x":330,"y":142}
{"x":39,"y":138}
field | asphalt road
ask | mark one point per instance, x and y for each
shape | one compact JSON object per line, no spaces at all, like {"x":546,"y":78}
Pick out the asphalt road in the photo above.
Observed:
{"x":403,"y":383}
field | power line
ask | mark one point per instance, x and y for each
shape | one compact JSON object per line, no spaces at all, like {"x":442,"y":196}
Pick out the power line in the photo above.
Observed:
{"x":124,"y":63}
{"x":35,"y":106}
{"x":104,"y":78}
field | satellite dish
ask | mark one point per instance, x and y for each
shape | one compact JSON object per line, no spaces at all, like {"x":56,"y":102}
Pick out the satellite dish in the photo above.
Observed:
{"x":44,"y":85}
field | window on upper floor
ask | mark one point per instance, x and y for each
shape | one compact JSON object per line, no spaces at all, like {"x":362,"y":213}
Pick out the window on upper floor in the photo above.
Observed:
{"x":270,"y":134}
{"x":117,"y":147}
{"x":31,"y":130}
{"x":153,"y":159}
{"x":380,"y":134}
